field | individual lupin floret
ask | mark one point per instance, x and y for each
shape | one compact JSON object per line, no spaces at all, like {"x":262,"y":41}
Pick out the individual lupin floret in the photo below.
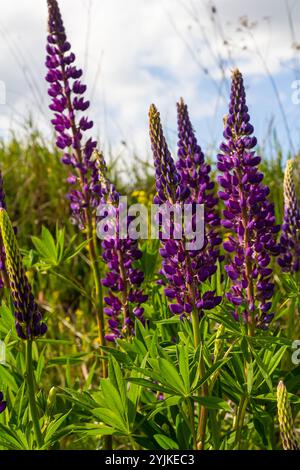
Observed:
{"x":248,"y":217}
{"x":286,"y":424}
{"x":289,"y":258}
{"x":2,"y":403}
{"x":28,"y":318}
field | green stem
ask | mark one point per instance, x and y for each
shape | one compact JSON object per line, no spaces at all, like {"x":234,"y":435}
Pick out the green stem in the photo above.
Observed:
{"x":204,"y":391}
{"x":31,"y":394}
{"x":203,"y":410}
{"x":192,"y":421}
{"x":107,"y":440}
{"x":240,"y":420}
{"x":98,"y":291}
{"x":291,"y":319}
{"x":196,"y":328}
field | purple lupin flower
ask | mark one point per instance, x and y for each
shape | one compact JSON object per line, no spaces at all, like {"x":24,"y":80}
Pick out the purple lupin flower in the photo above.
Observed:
{"x":195,"y":174}
{"x":248,"y":217}
{"x":289,"y":259}
{"x":183,"y":270}
{"x":70,"y":122}
{"x":2,"y":403}
{"x":123,"y":280}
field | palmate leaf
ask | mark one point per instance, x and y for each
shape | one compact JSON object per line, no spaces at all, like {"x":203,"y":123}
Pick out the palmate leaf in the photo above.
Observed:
{"x":120,"y":356}
{"x":53,"y":427}
{"x":263,"y":369}
{"x":47,"y":247}
{"x":250,"y":377}
{"x":93,"y":430}
{"x":292,"y":380}
{"x":12,"y":439}
{"x":114,"y":409}
{"x":72,"y":359}
{"x":169,"y":372}
{"x":7,"y":378}
{"x":232,"y":326}
{"x":7,"y":322}
{"x":164,"y":405}
{"x":117,"y":381}
{"x":54,"y":251}
{"x":134,"y":393}
{"x":112,"y":398}
{"x":210,"y":371}
{"x":165,"y":442}
{"x":82,"y":399}
{"x":267,"y":362}
{"x":213,"y":403}
{"x":112,"y":419}
{"x":151,"y":385}
{"x":184,"y":367}
{"x":294,"y":399}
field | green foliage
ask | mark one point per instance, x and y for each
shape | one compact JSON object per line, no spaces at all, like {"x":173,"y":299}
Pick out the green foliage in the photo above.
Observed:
{"x":154,"y":390}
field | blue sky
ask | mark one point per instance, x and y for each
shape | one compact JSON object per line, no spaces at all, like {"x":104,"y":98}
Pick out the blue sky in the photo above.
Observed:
{"x":135,"y":52}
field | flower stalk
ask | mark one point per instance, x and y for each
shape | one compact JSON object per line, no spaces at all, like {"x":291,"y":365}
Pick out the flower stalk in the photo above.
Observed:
{"x":67,"y":95}
{"x":248,"y":216}
{"x":30,"y":380}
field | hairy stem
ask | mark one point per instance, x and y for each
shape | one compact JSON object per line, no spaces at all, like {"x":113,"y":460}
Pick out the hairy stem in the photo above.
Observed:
{"x":204,"y":390}
{"x":98,"y":292}
{"x":31,"y":395}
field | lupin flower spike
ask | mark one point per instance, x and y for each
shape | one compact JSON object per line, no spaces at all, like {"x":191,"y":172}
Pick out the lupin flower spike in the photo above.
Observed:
{"x":69,"y":105}
{"x":248,"y":218}
{"x":286,"y":424}
{"x":28,"y":318}
{"x":167,"y":177}
{"x":183,"y":271}
{"x":2,"y":403}
{"x":289,"y":259}
{"x":123,"y":280}
{"x":194,"y":173}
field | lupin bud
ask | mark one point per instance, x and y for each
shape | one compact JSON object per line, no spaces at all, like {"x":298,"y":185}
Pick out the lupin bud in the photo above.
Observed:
{"x":51,"y":401}
{"x":286,"y":424}
{"x":289,"y":259}
{"x":167,"y":177}
{"x":28,"y":318}
{"x":219,"y":343}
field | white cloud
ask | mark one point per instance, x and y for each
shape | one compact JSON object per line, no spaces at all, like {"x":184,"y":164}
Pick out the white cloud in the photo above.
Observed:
{"x":142,"y":59}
